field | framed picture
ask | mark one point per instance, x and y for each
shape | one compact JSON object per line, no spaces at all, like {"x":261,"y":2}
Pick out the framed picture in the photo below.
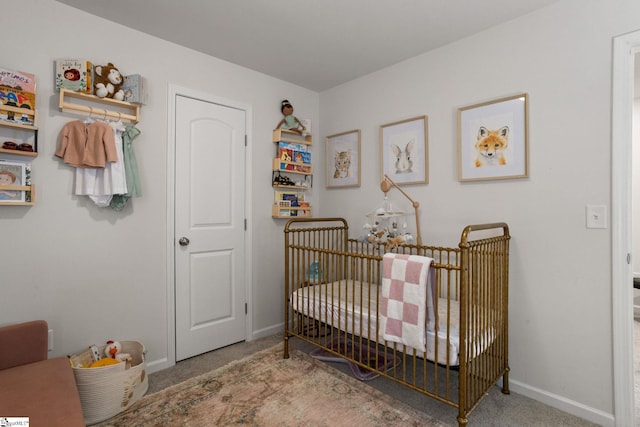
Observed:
{"x":493,"y":140}
{"x":343,"y":159}
{"x":12,"y":173}
{"x":404,"y":151}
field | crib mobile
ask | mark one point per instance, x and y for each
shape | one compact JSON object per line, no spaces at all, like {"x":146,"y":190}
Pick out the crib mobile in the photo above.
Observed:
{"x":382,"y":223}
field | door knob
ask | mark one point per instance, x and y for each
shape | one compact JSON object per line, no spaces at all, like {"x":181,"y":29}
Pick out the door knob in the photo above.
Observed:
{"x":183,"y":241}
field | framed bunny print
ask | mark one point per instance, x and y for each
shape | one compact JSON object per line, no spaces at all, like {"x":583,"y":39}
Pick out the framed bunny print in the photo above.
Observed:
{"x":404,"y":151}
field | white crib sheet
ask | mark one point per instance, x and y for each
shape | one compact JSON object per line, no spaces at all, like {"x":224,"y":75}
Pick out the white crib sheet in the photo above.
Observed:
{"x":341,"y":305}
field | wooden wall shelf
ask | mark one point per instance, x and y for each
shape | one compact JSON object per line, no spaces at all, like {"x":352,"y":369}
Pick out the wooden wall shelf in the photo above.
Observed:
{"x":297,"y":211}
{"x":282,"y":208}
{"x":31,"y":188}
{"x":95,"y":107}
{"x":23,"y":127}
{"x":19,"y":153}
{"x":291,"y":136}
{"x":292,"y":167}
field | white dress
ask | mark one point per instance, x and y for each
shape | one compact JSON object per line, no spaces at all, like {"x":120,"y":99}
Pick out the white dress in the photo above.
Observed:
{"x":100,"y":184}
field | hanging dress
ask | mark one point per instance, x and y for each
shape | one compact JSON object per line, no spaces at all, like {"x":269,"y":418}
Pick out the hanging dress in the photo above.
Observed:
{"x":119,"y":201}
{"x":100,"y":184}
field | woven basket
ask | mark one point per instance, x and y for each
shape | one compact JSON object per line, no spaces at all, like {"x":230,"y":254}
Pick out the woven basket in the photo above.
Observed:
{"x":109,"y":390}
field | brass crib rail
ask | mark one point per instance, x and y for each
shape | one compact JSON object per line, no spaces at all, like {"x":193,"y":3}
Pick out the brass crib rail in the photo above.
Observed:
{"x":335,"y":305}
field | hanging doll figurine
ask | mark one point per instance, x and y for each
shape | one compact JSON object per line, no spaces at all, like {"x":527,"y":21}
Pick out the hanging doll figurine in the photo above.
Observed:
{"x":289,"y":121}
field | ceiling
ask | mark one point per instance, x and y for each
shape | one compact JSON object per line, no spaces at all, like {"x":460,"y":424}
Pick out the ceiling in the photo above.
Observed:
{"x":316,"y":44}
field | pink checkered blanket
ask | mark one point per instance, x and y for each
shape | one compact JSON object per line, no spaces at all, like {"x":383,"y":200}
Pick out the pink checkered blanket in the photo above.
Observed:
{"x":407,"y":281}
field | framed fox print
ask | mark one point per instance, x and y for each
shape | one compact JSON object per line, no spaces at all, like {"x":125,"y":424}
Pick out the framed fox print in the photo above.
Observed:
{"x":493,"y":139}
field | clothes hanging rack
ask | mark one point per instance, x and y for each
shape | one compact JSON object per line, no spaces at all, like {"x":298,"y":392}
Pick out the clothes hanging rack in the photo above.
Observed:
{"x":83,"y":103}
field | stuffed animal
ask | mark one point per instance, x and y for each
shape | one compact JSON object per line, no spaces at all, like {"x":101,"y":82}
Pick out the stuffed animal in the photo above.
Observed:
{"x":105,"y":361}
{"x":289,"y":121}
{"x":107,"y":82}
{"x":113,"y":351}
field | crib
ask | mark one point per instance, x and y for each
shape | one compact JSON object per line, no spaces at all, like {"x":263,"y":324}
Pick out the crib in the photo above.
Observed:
{"x":332,"y":300}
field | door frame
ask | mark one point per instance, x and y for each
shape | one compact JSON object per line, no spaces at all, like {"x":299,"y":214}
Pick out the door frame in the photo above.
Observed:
{"x":174,"y":91}
{"x":624,"y":49}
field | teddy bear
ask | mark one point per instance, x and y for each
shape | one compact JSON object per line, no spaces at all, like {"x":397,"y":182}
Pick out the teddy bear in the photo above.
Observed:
{"x":107,"y":82}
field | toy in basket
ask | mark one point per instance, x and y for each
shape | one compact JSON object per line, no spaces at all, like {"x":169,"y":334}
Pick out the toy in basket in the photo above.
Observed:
{"x":111,"y":385}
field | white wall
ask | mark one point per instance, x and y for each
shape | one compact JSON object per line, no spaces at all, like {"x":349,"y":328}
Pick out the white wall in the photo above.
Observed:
{"x":561,"y":320}
{"x":95,"y":274}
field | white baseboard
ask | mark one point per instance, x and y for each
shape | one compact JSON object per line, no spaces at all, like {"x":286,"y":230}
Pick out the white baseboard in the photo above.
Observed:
{"x":158,"y":365}
{"x":569,"y":406}
{"x":267,"y":332}
{"x":164,"y":363}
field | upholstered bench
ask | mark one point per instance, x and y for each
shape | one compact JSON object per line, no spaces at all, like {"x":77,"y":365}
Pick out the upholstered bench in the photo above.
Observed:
{"x":44,"y":390}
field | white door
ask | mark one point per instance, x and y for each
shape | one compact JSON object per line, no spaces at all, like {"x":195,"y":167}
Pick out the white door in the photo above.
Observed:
{"x":209,"y":226}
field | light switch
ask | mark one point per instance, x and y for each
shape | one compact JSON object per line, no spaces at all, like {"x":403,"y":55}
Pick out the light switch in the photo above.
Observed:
{"x":596,"y":216}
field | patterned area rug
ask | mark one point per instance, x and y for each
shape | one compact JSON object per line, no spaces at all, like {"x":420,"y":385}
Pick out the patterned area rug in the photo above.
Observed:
{"x":363,"y":354}
{"x":267,"y":390}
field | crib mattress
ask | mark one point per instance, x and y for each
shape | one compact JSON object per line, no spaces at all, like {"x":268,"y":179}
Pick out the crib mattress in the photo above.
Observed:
{"x":350,"y":307}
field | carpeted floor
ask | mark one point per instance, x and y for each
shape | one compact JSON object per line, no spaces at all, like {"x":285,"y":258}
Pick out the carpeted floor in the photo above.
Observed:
{"x":495,"y":409}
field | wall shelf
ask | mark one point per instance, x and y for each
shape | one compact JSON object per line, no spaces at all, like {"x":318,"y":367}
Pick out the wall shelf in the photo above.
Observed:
{"x":95,"y":107}
{"x":20,"y":153}
{"x":292,"y":167}
{"x":286,"y":135}
{"x":291,"y":212}
{"x":19,"y":125}
{"x":22,"y":127}
{"x":31,"y":188}
{"x":294,"y":157}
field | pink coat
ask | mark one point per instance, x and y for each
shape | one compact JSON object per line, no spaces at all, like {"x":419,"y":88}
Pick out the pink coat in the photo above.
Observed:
{"x":87,"y":145}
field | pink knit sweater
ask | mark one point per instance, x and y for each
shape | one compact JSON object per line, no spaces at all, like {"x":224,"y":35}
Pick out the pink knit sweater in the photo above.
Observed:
{"x":87,"y":145}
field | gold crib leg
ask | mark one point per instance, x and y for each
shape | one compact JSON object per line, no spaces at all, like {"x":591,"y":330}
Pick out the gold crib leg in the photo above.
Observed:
{"x":505,"y":382}
{"x":286,"y":346}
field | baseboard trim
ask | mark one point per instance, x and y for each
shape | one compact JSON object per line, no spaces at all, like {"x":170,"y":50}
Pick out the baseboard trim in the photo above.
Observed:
{"x":158,"y":365}
{"x":567,"y":405}
{"x":267,"y":332}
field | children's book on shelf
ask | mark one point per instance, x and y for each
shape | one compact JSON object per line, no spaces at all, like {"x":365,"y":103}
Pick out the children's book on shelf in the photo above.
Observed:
{"x":22,"y":106}
{"x":296,"y":153}
{"x":18,"y":91}
{"x":14,"y":173}
{"x":19,"y":80}
{"x":74,"y":74}
{"x":292,"y":146}
{"x":287,"y":196}
{"x":294,"y":157}
{"x":135,"y":89}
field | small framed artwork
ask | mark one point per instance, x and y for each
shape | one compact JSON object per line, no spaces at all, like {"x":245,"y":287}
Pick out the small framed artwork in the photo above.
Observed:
{"x":343,"y":159}
{"x":404,"y":151}
{"x":493,"y":140}
{"x":12,"y":174}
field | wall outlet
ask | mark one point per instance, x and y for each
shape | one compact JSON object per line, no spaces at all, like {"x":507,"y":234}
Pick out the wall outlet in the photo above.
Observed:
{"x":50,"y":340}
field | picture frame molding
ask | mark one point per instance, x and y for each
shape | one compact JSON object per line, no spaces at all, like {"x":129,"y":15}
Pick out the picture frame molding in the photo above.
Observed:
{"x":417,"y":127}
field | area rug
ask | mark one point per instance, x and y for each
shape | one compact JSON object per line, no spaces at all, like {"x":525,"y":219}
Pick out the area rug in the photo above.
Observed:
{"x":363,"y":354}
{"x":267,"y":390}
